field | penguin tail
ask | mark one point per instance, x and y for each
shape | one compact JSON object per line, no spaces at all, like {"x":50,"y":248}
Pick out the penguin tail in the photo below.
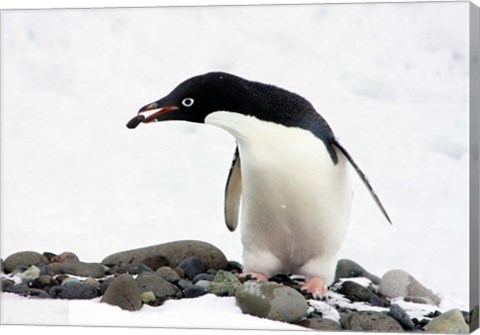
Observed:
{"x":363,"y":177}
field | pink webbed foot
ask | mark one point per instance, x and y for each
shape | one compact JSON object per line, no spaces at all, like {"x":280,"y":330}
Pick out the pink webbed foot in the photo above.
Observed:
{"x":316,"y":286}
{"x":254,"y":275}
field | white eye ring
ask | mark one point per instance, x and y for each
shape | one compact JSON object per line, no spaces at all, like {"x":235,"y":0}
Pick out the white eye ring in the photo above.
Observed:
{"x":187,"y":102}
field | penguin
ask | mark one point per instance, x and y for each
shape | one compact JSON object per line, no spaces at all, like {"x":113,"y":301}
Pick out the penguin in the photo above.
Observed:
{"x":289,"y":183}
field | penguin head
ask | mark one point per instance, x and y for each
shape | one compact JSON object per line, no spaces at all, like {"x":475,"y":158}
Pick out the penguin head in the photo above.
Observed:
{"x":195,"y":98}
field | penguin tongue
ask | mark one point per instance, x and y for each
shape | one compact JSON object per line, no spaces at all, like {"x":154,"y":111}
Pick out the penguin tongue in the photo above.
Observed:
{"x":150,"y":114}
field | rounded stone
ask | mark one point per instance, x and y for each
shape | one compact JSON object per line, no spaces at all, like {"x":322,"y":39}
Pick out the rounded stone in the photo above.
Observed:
{"x":79,"y":291}
{"x":174,"y":253}
{"x":148,"y":297}
{"x":370,"y":321}
{"x":347,"y":268}
{"x":56,"y":291}
{"x":224,"y":283}
{"x":65,"y":257}
{"x":70,"y":281}
{"x":192,"y":266}
{"x":203,"y":276}
{"x":148,"y":281}
{"x":81,"y":269}
{"x":194,"y":291}
{"x":398,"y":283}
{"x":355,"y":291}
{"x":272,"y":301}
{"x":168,"y":274}
{"x":203,"y":283}
{"x":451,"y":322}
{"x":23,"y":259}
{"x":320,"y":324}
{"x":124,"y":293}
{"x":155,"y":262}
{"x":30,"y":274}
{"x":399,"y":314}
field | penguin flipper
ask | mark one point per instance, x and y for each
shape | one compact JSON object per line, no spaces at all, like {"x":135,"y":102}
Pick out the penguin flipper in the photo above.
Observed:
{"x":364,"y":179}
{"x":233,"y":193}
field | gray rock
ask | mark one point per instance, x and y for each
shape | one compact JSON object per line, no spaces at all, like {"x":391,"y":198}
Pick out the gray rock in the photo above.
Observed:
{"x":451,"y":322}
{"x":65,"y":257}
{"x":369,"y":321}
{"x":347,"y":268}
{"x":192,"y":266}
{"x":398,"y":283}
{"x":320,"y":324}
{"x":399,"y":314}
{"x":20,"y":289}
{"x":174,"y":253}
{"x":355,"y":292}
{"x":272,"y":301}
{"x":162,"y":289}
{"x":79,"y":291}
{"x":155,"y":262}
{"x":194,"y":291}
{"x":124,"y":293}
{"x":23,"y":259}
{"x":91,"y":282}
{"x":224,"y":283}
{"x":44,"y":282}
{"x":203,"y":276}
{"x":6,"y":282}
{"x":94,"y":270}
{"x":203,"y":283}
{"x":168,"y":274}
{"x":70,"y":281}
{"x":56,"y":291}
{"x":184,"y":283}
{"x":474,"y":319}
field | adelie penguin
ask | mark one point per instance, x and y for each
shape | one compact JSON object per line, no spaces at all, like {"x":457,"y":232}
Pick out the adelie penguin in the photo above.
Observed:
{"x":289,"y":173}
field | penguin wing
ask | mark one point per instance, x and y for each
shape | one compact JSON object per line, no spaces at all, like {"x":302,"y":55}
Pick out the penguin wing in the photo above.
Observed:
{"x":363,"y":178}
{"x":233,"y":193}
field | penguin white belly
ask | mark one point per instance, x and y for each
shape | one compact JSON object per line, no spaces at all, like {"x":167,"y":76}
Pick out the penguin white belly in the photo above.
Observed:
{"x":295,"y":203}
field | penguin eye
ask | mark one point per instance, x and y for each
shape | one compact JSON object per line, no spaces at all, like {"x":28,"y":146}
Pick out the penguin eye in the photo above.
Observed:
{"x":187,"y":102}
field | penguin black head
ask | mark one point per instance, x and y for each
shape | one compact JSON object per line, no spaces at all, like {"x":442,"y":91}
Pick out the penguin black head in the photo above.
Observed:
{"x":195,"y":98}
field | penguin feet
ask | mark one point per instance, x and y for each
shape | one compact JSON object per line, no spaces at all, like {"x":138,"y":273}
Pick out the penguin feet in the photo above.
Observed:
{"x":316,"y":287}
{"x":254,"y":275}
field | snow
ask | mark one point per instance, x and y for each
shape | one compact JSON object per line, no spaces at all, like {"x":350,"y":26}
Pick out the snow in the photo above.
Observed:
{"x":391,"y":80}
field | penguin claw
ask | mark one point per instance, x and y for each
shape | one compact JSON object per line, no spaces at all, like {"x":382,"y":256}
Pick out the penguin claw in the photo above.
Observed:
{"x":316,"y":287}
{"x":254,"y":275}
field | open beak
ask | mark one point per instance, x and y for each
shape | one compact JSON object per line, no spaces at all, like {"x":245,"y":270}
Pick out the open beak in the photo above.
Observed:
{"x":149,"y":113}
{"x":153,"y":110}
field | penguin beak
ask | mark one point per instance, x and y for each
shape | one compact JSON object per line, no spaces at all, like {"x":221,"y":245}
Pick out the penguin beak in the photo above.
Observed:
{"x":152,"y":111}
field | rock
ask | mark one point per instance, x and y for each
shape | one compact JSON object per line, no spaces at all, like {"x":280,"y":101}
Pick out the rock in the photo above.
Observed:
{"x":20,"y":289}
{"x":44,"y":282}
{"x":271,"y":300}
{"x":49,"y":255}
{"x":398,"y":283}
{"x":155,"y":262}
{"x":203,"y":283}
{"x":104,"y":285}
{"x":234,"y":267}
{"x":224,"y":283}
{"x":45,"y":270}
{"x":179,"y":272}
{"x":399,"y":314}
{"x":320,"y":324}
{"x":451,"y":322}
{"x":6,"y":282}
{"x":79,"y":291}
{"x":192,"y":266}
{"x":65,"y":257}
{"x":30,"y":274}
{"x":355,"y":292}
{"x":124,"y":293}
{"x":92,"y":282}
{"x":61,"y":277}
{"x":140,"y":268}
{"x":168,"y":274}
{"x":347,"y":268}
{"x":23,"y":259}
{"x":174,"y":253}
{"x":203,"y":276}
{"x":194,"y":291}
{"x":81,"y":269}
{"x":148,"y":297}
{"x":55,"y":291}
{"x":370,"y":321}
{"x":162,"y":289}
{"x":70,"y":281}
{"x":184,"y":283}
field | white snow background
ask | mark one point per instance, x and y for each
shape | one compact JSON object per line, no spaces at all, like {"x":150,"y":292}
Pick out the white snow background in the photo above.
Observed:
{"x":391,"y":80}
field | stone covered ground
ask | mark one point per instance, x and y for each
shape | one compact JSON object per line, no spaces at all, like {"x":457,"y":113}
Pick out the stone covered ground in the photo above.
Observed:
{"x":357,"y":300}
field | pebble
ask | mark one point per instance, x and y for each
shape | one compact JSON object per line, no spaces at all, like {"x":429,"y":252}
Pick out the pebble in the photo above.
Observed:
{"x":398,"y":283}
{"x":355,"y":291}
{"x":79,"y":291}
{"x":272,"y":301}
{"x":162,"y":289}
{"x":6,"y":282}
{"x":23,"y":259}
{"x":124,"y":293}
{"x":203,"y":276}
{"x":234,"y":266}
{"x":168,"y":274}
{"x":474,"y":319}
{"x":104,"y":285}
{"x":174,"y":252}
{"x":49,"y":255}
{"x":369,"y":321}
{"x":140,"y":268}
{"x":203,"y":283}
{"x":184,"y":283}
{"x":92,"y":282}
{"x":20,"y":289}
{"x":81,"y":269}
{"x":320,"y":324}
{"x":192,"y":266}
{"x":194,"y":291}
{"x":70,"y":281}
{"x":148,"y":297}
{"x":55,"y":291}
{"x":44,"y":282}
{"x":451,"y":322}
{"x":224,"y":283}
{"x":347,"y":268}
{"x":65,"y":257}
{"x":399,"y":314}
